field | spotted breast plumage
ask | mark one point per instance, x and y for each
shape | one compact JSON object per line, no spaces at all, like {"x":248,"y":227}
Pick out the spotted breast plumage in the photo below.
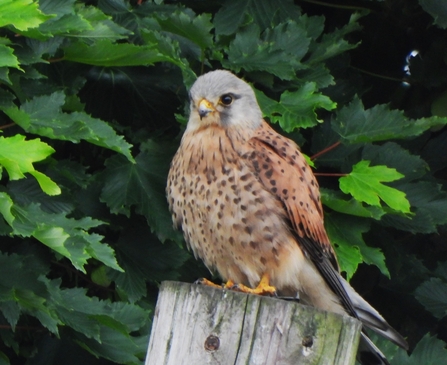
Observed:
{"x":249,"y":207}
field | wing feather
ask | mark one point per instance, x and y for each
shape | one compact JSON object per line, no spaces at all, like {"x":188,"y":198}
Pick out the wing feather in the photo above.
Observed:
{"x":283,"y":170}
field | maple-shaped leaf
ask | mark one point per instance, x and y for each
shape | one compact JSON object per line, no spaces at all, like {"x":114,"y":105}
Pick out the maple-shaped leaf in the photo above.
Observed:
{"x":340,"y":202}
{"x":296,"y":109}
{"x":197,"y":29}
{"x":355,"y":124}
{"x":234,"y":13}
{"x":432,"y":294}
{"x":18,"y":155}
{"x":141,"y":185}
{"x":365,"y":184}
{"x":277,"y":51}
{"x":429,"y":351}
{"x":346,"y":233}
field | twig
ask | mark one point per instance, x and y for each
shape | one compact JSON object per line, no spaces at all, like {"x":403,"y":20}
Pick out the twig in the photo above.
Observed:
{"x":327,"y":149}
{"x":7,"y":125}
{"x":52,"y":60}
{"x":379,"y":75}
{"x":329,"y":174}
{"x":338,"y":6}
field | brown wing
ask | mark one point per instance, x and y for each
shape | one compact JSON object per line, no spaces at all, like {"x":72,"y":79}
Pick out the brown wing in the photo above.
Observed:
{"x":283,"y":170}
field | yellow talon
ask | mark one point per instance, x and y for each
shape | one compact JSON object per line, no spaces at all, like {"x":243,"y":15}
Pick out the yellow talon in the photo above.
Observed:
{"x":203,"y":281}
{"x":263,"y":288}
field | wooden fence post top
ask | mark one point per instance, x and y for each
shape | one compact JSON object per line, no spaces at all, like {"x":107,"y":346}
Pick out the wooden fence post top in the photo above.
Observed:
{"x":195,"y":325}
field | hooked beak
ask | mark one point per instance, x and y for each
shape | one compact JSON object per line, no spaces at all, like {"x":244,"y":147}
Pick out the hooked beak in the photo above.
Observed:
{"x":205,"y":107}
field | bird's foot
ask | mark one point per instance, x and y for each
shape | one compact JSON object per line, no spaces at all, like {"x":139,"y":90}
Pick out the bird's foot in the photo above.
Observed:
{"x":263,"y":288}
{"x":203,"y":281}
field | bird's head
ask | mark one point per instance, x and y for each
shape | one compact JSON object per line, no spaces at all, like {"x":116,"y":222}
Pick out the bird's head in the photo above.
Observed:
{"x":221,"y":98}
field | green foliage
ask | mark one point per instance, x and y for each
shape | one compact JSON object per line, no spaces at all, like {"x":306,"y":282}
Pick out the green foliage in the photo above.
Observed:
{"x":364,"y":183}
{"x":290,"y":114}
{"x":428,"y":351}
{"x":90,"y":95}
{"x":17,"y":157}
{"x":437,"y":10}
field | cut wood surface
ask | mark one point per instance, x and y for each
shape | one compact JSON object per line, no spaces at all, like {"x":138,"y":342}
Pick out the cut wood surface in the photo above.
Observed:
{"x":195,"y":324}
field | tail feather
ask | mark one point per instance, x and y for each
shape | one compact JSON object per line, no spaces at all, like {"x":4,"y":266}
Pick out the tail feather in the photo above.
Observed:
{"x":372,"y":319}
{"x":368,"y":353}
{"x":382,"y":328}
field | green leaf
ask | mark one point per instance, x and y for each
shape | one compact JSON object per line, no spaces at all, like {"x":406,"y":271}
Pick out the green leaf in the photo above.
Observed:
{"x":364,"y":183}
{"x":171,"y":50}
{"x":340,"y":203}
{"x":25,"y":289}
{"x":105,"y":53}
{"x":145,"y":263}
{"x":295,"y":109}
{"x":395,"y":156}
{"x":7,"y":57}
{"x":6,"y":204}
{"x":6,"y":99}
{"x":437,"y":9}
{"x":17,"y":157}
{"x":4,"y":360}
{"x":73,"y":21}
{"x":346,"y":233}
{"x":100,"y":251}
{"x":22,"y":14}
{"x":99,"y":276}
{"x":277,"y":51}
{"x":43,"y":115}
{"x":432,"y":294}
{"x":11,"y":310}
{"x":26,"y":191}
{"x":428,"y":351}
{"x":141,"y":185}
{"x":429,"y":203}
{"x":234,"y":13}
{"x":355,"y":124}
{"x":101,"y":24}
{"x":333,"y":44}
{"x":197,"y":29}
{"x":115,"y":346}
{"x":46,"y":184}
{"x":66,"y":24}
{"x":90,"y":316}
{"x":66,"y":236}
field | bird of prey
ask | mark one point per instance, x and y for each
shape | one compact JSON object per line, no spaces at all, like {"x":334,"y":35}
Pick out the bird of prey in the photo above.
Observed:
{"x":249,"y":206}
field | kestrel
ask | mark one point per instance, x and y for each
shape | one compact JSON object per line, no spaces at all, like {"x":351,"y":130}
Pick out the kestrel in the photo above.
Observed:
{"x":249,"y":207}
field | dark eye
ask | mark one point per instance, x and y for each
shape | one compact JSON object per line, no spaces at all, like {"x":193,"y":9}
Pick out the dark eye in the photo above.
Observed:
{"x":226,"y":99}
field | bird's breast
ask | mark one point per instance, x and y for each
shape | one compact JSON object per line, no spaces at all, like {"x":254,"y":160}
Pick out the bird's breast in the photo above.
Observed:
{"x":228,"y":218}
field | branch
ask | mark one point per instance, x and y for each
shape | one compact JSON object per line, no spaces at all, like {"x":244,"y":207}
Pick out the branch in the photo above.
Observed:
{"x":327,"y":149}
{"x":329,"y":174}
{"x":7,"y":125}
{"x":337,"y":6}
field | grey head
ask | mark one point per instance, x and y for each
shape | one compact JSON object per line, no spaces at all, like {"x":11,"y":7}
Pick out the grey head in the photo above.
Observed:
{"x":222,"y":98}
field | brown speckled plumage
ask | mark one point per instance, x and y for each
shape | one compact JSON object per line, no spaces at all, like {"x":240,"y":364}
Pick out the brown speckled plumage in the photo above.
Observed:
{"x":249,"y":204}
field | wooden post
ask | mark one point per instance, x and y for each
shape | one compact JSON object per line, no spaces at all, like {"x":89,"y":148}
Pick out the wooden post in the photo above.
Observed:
{"x":198,"y":325}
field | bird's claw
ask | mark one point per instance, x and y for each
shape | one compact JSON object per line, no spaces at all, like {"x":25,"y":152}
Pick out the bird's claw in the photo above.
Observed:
{"x":259,"y":290}
{"x":204,"y":281}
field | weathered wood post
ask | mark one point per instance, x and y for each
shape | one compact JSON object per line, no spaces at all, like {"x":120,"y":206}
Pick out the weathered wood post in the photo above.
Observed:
{"x":198,"y":325}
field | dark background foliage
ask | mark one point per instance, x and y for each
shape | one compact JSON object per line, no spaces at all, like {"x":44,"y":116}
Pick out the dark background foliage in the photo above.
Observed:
{"x":98,"y":91}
